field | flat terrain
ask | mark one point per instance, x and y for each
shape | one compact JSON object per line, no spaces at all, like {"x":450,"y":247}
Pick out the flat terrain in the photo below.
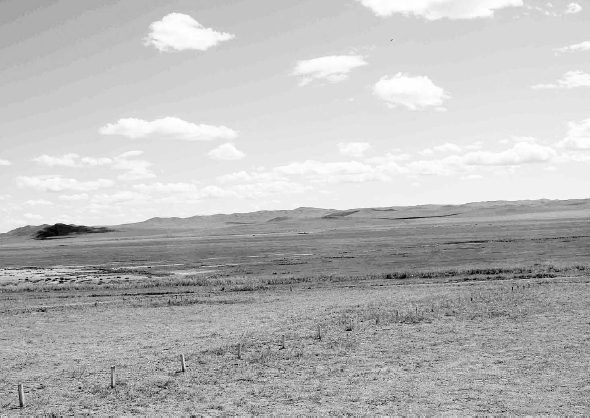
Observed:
{"x":475,"y":315}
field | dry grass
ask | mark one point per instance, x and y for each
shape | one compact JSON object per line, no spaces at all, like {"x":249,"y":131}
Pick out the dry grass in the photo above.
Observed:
{"x":414,"y":345}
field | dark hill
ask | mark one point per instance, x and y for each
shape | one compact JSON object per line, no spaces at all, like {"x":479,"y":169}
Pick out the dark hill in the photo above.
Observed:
{"x":63,"y":230}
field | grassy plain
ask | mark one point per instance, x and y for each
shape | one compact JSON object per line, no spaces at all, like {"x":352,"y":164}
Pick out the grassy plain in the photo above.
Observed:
{"x":486,"y":316}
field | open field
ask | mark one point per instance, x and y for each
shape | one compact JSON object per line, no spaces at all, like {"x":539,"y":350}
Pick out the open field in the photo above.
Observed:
{"x":472,"y":316}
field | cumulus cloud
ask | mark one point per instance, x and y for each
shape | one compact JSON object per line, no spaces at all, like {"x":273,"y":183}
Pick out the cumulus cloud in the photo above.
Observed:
{"x":354,"y":149}
{"x":439,"y":9}
{"x":5,"y":162}
{"x":334,"y":68}
{"x":167,"y":128}
{"x":226,"y":152}
{"x":573,"y":8}
{"x":180,"y":32}
{"x":136,"y":169}
{"x":580,"y":47}
{"x":58,"y":184}
{"x":413,"y":92}
{"x":578,"y":136}
{"x":570,"y":80}
{"x":5,"y":196}
{"x":520,"y":153}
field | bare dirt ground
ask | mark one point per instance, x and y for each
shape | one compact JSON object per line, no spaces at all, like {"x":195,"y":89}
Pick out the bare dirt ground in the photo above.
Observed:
{"x":414,"y":320}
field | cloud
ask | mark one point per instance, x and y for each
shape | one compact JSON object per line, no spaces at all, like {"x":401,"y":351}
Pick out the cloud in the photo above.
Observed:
{"x":226,"y":152}
{"x":413,"y":92}
{"x":74,"y":197}
{"x":180,"y":32}
{"x":333,"y":68}
{"x":38,"y":202}
{"x":520,"y":153}
{"x":578,"y":136}
{"x":5,"y":162}
{"x":570,"y":80}
{"x":438,"y":9}
{"x":136,"y":169}
{"x":71,"y":160}
{"x":448,"y":147}
{"x":5,"y":196}
{"x":573,"y":8}
{"x":166,"y":188}
{"x":32,"y":217}
{"x":243,"y":176}
{"x":582,"y":46}
{"x":167,"y":128}
{"x":334,"y":172}
{"x":354,"y":149}
{"x":58,"y":184}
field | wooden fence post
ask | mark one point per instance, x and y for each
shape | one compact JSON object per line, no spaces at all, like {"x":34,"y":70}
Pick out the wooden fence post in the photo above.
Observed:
{"x":21,"y":395}
{"x":239,"y":350}
{"x":319,"y":332}
{"x":113,"y":377}
{"x":283,"y":342}
{"x":182,"y":363}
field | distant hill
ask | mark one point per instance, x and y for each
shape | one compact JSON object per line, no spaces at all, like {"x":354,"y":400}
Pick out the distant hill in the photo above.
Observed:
{"x":303,"y":216}
{"x":309,"y":219}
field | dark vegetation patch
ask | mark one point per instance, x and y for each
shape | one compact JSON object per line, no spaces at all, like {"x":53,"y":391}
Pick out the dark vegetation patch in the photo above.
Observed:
{"x":279,"y":219}
{"x":340,"y":214}
{"x":63,"y":230}
{"x":421,"y":217}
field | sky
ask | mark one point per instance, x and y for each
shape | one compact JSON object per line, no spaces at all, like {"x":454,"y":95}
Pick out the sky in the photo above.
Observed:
{"x":118,"y":111}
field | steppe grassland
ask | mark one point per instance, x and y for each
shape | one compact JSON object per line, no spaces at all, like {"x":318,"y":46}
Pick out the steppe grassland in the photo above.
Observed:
{"x":517,"y":346}
{"x":461,"y":318}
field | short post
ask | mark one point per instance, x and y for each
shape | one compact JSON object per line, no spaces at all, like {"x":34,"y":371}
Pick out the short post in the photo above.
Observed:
{"x":239,"y":350}
{"x":21,"y":395}
{"x":283,"y":342}
{"x":182,"y":364}
{"x":319,"y":332}
{"x":113,"y":378}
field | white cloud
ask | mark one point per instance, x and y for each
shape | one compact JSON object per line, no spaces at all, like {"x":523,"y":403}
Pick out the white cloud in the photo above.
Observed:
{"x":413,"y":92}
{"x":168,"y":127}
{"x":570,"y":80}
{"x":448,"y":147}
{"x":5,"y":196}
{"x":573,"y":8}
{"x":354,"y":149}
{"x":180,"y":32}
{"x":5,"y":162}
{"x":243,"y":176}
{"x":32,"y":217}
{"x":74,"y":197}
{"x":582,"y":46}
{"x":578,"y":136}
{"x":38,"y":202}
{"x":520,"y":153}
{"x":333,"y":172}
{"x":334,"y":68}
{"x":57,"y":184}
{"x":166,"y":187}
{"x":226,"y":152}
{"x":136,"y":169}
{"x":71,"y":160}
{"x":438,"y":9}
